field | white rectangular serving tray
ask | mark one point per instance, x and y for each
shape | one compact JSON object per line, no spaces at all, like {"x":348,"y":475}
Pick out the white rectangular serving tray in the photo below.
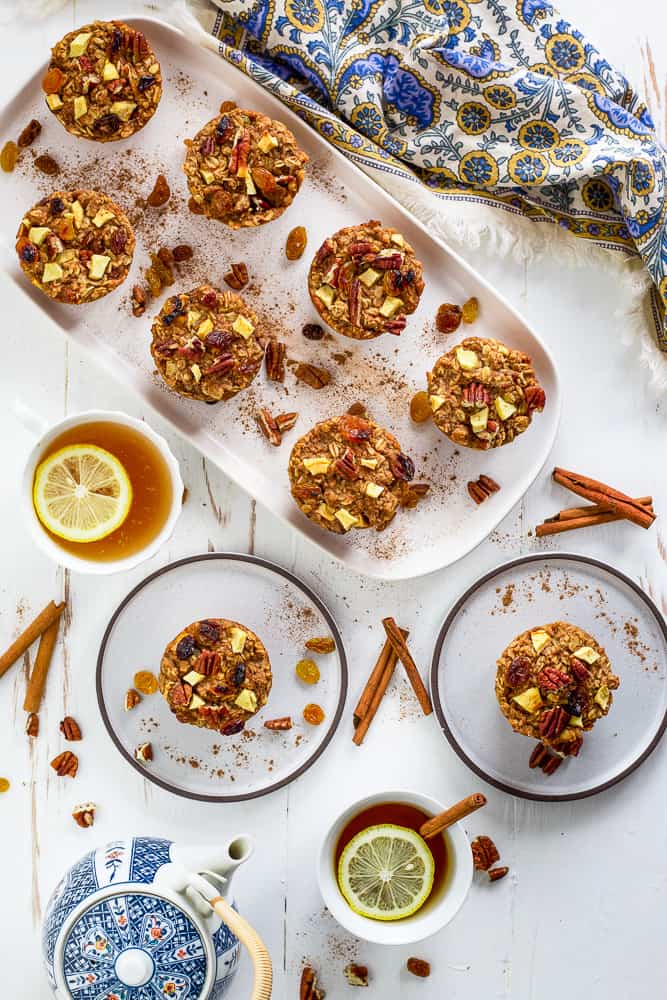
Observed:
{"x":383,"y":373}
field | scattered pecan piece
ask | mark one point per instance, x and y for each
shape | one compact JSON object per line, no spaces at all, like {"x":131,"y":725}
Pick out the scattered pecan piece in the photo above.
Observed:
{"x":497,"y":873}
{"x":482,"y":488}
{"x":356,"y":975}
{"x":138,"y":301}
{"x":279,"y":725}
{"x":160,"y":194}
{"x":66,"y":764}
{"x":225,"y":363}
{"x":132,"y":699}
{"x":552,"y":764}
{"x":208,"y":663}
{"x":70,"y":729}
{"x":580,"y":671}
{"x":553,"y":679}
{"x":539,"y":755}
{"x":312,"y":375}
{"x":553,"y":722}
{"x":237,"y":276}
{"x":312,"y":331}
{"x":396,"y":326}
{"x":419,"y":967}
{"x":84,"y":814}
{"x":535,"y":397}
{"x":346,"y":466}
{"x":484,"y":853}
{"x":268,"y":427}
{"x":321,"y":644}
{"x":308,"y":988}
{"x":29,"y":133}
{"x":182,"y":252}
{"x":286,"y":421}
{"x":144,"y":752}
{"x":274,"y":357}
{"x":32,"y":725}
{"x":47,"y":165}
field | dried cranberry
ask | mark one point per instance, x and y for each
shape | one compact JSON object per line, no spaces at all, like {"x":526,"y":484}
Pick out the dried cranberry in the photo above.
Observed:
{"x":217,"y":338}
{"x":145,"y":82}
{"x":57,"y":206}
{"x":402,"y":466}
{"x":116,"y":40}
{"x":119,"y":240}
{"x":209,"y":631}
{"x":29,"y":253}
{"x":232,"y":728}
{"x":239,"y":675}
{"x":107,"y":124}
{"x":355,"y":428}
{"x":186,"y":647}
{"x":209,"y":299}
{"x":519,"y":671}
{"x":313,"y":331}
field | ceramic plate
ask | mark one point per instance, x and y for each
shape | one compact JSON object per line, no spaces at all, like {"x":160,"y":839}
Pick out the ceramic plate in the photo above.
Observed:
{"x":536,"y":590}
{"x":200,"y":763}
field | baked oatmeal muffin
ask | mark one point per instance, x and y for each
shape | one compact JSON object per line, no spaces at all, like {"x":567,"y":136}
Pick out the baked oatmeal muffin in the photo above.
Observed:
{"x":215,"y":674}
{"x":76,"y":246}
{"x":364,"y":280}
{"x":347,"y":472}
{"x":244,"y":168}
{"x":483,"y":393}
{"x":206,"y":344}
{"x":553,"y":683}
{"x":103,"y":82}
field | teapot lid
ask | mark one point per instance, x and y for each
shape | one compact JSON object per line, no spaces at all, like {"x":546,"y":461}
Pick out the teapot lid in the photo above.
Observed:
{"x":136,"y":945}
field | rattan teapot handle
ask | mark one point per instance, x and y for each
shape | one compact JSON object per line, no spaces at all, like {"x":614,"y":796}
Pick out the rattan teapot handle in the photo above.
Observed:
{"x":248,"y":936}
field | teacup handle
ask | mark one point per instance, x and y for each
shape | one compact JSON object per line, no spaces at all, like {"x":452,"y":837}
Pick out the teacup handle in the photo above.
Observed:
{"x":248,"y":936}
{"x":31,"y":420}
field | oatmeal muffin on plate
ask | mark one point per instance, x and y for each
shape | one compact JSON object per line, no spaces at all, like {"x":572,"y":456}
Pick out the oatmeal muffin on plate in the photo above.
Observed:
{"x":364,"y":280}
{"x":206,"y":344}
{"x":215,"y":674}
{"x":75,"y":246}
{"x":553,"y":683}
{"x":103,"y":82}
{"x":483,"y":393}
{"x":243,"y":168}
{"x":347,"y":472}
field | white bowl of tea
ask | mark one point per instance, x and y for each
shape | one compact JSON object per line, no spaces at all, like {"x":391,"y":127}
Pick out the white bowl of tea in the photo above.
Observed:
{"x":132,"y":496}
{"x":348,"y":863}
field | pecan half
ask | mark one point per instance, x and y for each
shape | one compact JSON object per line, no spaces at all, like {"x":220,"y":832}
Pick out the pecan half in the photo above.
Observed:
{"x":208,"y":663}
{"x":286,"y":421}
{"x":308,"y":988}
{"x":581,"y":672}
{"x":482,"y":488}
{"x":312,"y":375}
{"x":418,"y":967}
{"x":279,"y":725}
{"x":396,"y":326}
{"x":84,"y":814}
{"x":497,"y":873}
{"x":66,"y":764}
{"x":274,"y":357}
{"x":32,"y":725}
{"x":539,"y":756}
{"x":237,"y":276}
{"x":552,"y":764}
{"x":475,"y":394}
{"x":181,"y":694}
{"x":132,"y":699}
{"x":356,"y":975}
{"x":346,"y":466}
{"x":484,"y":853}
{"x":553,"y":722}
{"x":138,"y":301}
{"x":535,"y":397}
{"x":70,"y":729}
{"x":268,"y":426}
{"x":553,"y":679}
{"x":144,"y":752}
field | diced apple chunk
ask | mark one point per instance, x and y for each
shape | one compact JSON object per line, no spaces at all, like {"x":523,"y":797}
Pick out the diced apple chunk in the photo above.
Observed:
{"x":237,"y":638}
{"x":196,"y":372}
{"x":529,"y":700}
{"x":79,"y":44}
{"x":54,"y":101}
{"x":196,"y":702}
{"x":325,"y":511}
{"x":243,"y":326}
{"x":468,"y":360}
{"x":207,"y":176}
{"x":98,"y":265}
{"x":80,"y":107}
{"x":576,"y":720}
{"x":249,"y":185}
{"x":193,"y":677}
{"x":369,"y":277}
{"x":326,"y":294}
{"x":109,"y":72}
{"x":390,"y":306}
{"x":104,"y":215}
{"x":369,"y":463}
{"x":77,"y":212}
{"x":38,"y":234}
{"x":436,"y":402}
{"x":587,"y":654}
{"x":267,"y":142}
{"x":503,"y":408}
{"x":539,"y":639}
{"x":479,"y":419}
{"x":204,"y":328}
{"x":318,"y":465}
{"x":346,"y":519}
{"x":374,"y":490}
{"x":602,"y":697}
{"x":397,"y":239}
{"x":247,"y":700}
{"x":51,"y":272}
{"x":123,"y":109}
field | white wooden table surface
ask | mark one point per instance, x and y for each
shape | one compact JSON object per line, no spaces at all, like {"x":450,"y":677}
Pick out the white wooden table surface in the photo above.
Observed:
{"x":583,"y":911}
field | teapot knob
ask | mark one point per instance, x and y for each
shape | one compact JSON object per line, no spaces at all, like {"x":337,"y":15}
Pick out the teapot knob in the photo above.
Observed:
{"x":134,"y":967}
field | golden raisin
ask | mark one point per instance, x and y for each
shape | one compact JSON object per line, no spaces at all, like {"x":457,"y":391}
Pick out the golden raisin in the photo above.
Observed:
{"x":420,"y":407}
{"x":321,"y":644}
{"x":145,"y":681}
{"x":4,"y":784}
{"x":296,"y":243}
{"x":154,"y":283}
{"x":160,"y":194}
{"x":9,"y":156}
{"x":470,"y":310}
{"x":448,"y":317}
{"x":163,"y":271}
{"x":313,"y":714}
{"x":53,"y":80}
{"x":308,"y":671}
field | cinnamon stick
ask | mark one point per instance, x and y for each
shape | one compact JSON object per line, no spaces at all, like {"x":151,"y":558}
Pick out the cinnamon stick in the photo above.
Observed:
{"x":570,"y":513}
{"x":452,"y":815}
{"x":604,"y":495}
{"x":403,"y":653}
{"x":372,"y":703}
{"x":373,"y":681}
{"x":44,"y":619}
{"x":37,"y":682}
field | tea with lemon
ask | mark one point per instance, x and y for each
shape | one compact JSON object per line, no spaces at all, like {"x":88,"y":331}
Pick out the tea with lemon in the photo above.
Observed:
{"x":102,"y":491}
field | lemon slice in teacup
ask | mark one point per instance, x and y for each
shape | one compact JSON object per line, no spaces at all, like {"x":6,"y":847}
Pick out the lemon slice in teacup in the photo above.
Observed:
{"x":386,"y":872}
{"x":82,"y":493}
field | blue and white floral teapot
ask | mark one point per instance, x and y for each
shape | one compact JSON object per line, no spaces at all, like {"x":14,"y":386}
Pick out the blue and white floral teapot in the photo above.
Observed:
{"x":144,"y":918}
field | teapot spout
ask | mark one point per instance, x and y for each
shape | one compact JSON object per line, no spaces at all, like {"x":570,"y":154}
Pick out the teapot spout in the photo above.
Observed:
{"x":219,"y":860}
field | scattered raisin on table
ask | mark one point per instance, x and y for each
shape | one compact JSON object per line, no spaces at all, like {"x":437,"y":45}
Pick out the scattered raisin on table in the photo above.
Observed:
{"x":296,"y":243}
{"x":145,"y":681}
{"x":448,"y":317}
{"x":29,"y":133}
{"x":308,"y":671}
{"x":9,"y":156}
{"x":313,"y":714}
{"x":470,"y":310}
{"x":47,"y":165}
{"x":420,"y":407}
{"x":160,"y":194}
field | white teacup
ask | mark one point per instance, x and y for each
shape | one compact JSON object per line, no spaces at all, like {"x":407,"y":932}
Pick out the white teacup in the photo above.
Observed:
{"x":40,"y":536}
{"x":435,"y":914}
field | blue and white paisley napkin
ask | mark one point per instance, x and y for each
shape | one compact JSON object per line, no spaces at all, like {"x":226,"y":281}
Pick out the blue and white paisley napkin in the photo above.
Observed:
{"x":497,"y":103}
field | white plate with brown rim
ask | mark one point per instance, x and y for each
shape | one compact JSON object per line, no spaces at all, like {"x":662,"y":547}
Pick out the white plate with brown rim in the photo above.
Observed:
{"x":522,"y":594}
{"x":383,"y":373}
{"x":201,"y":763}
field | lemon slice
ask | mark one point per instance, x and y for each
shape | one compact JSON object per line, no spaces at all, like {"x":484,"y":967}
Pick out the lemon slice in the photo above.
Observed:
{"x":386,"y":872}
{"x":82,"y":493}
